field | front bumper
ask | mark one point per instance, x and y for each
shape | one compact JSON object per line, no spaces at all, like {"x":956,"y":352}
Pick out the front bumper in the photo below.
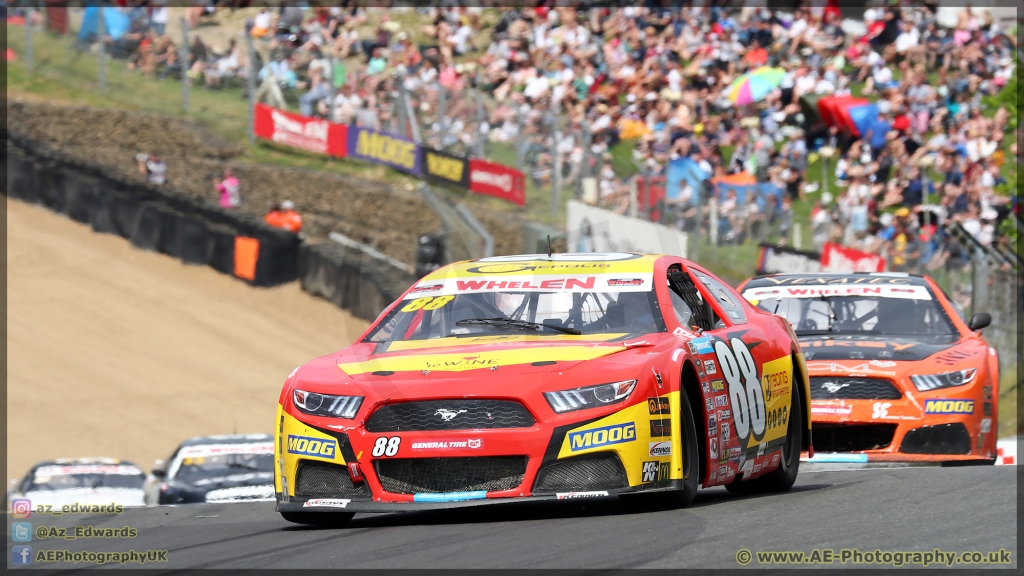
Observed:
{"x":621,"y":441}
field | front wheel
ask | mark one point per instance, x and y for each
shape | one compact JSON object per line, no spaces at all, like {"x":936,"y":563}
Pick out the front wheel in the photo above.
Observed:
{"x":782,"y":478}
{"x":691,"y":460}
{"x":320,"y":519}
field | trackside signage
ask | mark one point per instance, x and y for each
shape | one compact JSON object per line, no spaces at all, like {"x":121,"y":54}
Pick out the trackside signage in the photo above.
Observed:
{"x":444,"y":168}
{"x":615,"y":282}
{"x":298,"y":131}
{"x":383,"y":148}
{"x":497,"y":180}
{"x":592,"y":229}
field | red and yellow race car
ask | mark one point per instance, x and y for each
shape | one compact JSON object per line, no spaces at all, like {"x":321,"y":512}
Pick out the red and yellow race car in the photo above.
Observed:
{"x":896,"y":373}
{"x":546,"y":378}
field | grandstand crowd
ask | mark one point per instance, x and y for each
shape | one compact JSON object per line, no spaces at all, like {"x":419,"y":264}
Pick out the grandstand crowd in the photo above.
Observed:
{"x":657,"y":78}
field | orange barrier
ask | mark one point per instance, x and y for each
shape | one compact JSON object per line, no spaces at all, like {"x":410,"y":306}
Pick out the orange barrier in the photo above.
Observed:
{"x":247,"y":252}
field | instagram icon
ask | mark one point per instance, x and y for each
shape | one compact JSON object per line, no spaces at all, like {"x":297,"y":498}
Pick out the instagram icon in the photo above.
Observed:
{"x":21,"y":508}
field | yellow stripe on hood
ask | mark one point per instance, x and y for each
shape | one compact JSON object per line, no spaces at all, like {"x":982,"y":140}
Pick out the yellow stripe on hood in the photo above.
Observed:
{"x":453,"y":341}
{"x":474,"y":361}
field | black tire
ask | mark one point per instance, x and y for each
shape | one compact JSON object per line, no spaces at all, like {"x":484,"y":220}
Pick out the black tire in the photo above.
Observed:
{"x":691,"y":460}
{"x":782,"y":478}
{"x":962,"y":463}
{"x":319,"y":519}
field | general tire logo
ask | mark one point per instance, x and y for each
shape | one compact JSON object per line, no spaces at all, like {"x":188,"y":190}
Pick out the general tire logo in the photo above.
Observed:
{"x":740,"y":373}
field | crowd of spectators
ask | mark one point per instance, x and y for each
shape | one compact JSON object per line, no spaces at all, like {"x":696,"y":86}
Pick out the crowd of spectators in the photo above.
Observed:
{"x":580,"y":81}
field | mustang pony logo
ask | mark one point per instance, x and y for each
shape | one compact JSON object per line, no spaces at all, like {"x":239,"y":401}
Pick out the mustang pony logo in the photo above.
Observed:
{"x":448,"y":415}
{"x":833,"y":387}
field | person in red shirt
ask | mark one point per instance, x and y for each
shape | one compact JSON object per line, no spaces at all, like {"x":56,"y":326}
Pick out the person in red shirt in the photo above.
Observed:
{"x":285,"y":217}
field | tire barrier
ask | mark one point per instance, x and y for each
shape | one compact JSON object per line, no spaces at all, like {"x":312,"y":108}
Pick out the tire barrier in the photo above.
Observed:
{"x":153,"y":218}
{"x":351,"y":279}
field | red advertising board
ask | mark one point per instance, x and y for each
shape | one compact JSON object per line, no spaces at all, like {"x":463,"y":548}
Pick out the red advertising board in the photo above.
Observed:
{"x":836,"y":258}
{"x":497,"y":180}
{"x":297,"y":131}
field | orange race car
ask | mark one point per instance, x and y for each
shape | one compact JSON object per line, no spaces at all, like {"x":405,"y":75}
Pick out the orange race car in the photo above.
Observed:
{"x":896,"y":373}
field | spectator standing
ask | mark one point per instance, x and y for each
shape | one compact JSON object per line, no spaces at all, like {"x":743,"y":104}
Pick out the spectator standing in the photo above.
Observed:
{"x":876,"y":135}
{"x":153,"y":167}
{"x":319,"y":90}
{"x":228,"y":188}
{"x":284,"y":216}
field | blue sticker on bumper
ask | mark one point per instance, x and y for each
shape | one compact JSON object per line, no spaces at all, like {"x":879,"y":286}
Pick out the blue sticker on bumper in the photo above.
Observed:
{"x":846,"y":458}
{"x":449,"y":496}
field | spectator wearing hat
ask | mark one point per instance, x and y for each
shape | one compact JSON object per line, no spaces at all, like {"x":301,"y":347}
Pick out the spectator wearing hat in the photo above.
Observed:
{"x":284,"y":216}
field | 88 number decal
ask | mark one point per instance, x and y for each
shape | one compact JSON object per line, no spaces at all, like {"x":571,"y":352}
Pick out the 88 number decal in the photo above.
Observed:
{"x":385,"y":446}
{"x":740,"y":372}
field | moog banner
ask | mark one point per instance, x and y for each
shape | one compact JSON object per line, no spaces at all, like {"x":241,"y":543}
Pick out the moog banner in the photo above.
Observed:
{"x":497,"y":180}
{"x":836,"y":258}
{"x":297,"y":131}
{"x":444,"y":168}
{"x":384,"y":148}
{"x":776,"y":259}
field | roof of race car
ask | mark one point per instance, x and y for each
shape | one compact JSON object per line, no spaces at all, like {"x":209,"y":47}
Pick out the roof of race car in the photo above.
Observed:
{"x":99,"y":463}
{"x":555,"y":264}
{"x":228,"y":439}
{"x":811,"y":279}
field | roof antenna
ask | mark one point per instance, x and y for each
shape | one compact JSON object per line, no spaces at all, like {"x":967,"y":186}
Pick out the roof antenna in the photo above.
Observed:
{"x":549,"y":246}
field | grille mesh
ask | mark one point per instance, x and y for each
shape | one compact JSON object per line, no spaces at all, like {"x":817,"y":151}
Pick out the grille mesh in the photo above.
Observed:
{"x":469,"y":414}
{"x":852,"y":437}
{"x":942,"y":439}
{"x":319,"y":479}
{"x":853,"y":388}
{"x":415,"y":475}
{"x":582,"y":473}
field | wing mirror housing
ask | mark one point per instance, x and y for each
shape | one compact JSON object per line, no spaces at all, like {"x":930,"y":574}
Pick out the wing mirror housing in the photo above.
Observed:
{"x":158,"y":469}
{"x":979,"y":321}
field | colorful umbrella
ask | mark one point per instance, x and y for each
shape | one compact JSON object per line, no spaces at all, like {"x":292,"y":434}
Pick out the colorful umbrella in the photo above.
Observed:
{"x":755,"y":85}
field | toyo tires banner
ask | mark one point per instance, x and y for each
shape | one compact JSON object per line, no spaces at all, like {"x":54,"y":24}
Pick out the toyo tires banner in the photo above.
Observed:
{"x":497,"y":180}
{"x":297,"y":131}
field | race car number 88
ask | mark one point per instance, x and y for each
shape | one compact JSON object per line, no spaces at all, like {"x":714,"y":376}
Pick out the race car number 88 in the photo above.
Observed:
{"x":739,"y":368}
{"x":385,"y":446}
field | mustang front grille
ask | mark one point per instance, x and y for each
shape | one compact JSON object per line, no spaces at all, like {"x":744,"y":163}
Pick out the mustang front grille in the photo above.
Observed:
{"x":852,"y":437}
{"x":418,"y":475}
{"x":845,"y":388}
{"x":599,"y":472}
{"x":322,"y":480}
{"x":457,"y":414}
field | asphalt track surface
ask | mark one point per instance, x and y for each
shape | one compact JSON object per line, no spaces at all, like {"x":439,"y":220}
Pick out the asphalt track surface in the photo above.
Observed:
{"x":891,"y":509}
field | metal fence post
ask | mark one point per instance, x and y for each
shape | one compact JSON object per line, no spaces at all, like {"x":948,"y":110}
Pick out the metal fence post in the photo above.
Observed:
{"x":250,"y":85}
{"x":334,"y":91}
{"x":100,"y":34}
{"x":28,"y":39}
{"x":584,"y":171}
{"x":409,"y":113}
{"x":184,"y":65}
{"x":556,"y":155}
{"x":979,"y":281}
{"x":481,"y":119}
{"x":520,"y":129}
{"x":442,"y":129}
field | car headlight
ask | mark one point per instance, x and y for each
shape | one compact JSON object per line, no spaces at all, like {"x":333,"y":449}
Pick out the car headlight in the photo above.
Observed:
{"x":317,"y":404}
{"x":926,"y":382}
{"x":590,"y":396}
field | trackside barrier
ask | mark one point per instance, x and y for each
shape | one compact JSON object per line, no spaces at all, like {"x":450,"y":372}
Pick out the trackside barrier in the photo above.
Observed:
{"x":150,"y":217}
{"x":352,"y":279}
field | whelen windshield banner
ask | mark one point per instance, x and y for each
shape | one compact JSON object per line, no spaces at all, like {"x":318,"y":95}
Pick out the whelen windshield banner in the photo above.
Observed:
{"x":384,"y":148}
{"x":297,"y":131}
{"x":443,"y":168}
{"x":497,"y":180}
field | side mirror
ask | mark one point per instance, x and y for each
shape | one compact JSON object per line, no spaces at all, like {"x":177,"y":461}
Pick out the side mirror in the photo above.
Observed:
{"x":979,"y":321}
{"x":158,"y":469}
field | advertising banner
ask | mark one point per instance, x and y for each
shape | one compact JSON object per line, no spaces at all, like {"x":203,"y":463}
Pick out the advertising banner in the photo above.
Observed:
{"x":497,"y":180}
{"x":783,"y":259}
{"x":297,"y":131}
{"x":444,"y":168}
{"x":836,"y":258}
{"x":591,"y":229}
{"x":384,"y":148}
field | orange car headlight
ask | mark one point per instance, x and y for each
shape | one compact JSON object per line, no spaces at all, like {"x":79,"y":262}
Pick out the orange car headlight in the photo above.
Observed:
{"x":926,"y":382}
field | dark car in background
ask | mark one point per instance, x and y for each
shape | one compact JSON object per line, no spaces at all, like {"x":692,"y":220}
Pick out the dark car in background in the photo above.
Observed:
{"x":215,"y":469}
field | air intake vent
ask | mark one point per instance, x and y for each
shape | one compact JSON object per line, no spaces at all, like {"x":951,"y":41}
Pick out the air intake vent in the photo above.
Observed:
{"x":844,"y":388}
{"x":942,"y":439}
{"x":598,"y":472}
{"x":852,"y":437}
{"x":417,"y":475}
{"x":327,"y":480}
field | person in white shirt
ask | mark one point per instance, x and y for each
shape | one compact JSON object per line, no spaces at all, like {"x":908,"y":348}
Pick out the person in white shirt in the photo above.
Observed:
{"x":908,"y":44}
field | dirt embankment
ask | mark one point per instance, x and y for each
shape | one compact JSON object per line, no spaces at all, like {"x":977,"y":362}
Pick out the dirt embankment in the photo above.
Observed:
{"x":378,"y":214}
{"x":113,"y":351}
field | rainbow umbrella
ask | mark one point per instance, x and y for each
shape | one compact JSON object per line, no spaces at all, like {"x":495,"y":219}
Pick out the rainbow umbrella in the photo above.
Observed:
{"x":755,"y":85}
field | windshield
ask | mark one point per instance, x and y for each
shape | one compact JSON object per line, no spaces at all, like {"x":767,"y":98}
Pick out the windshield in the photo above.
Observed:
{"x":421,"y":318}
{"x":906,"y":311}
{"x":196,"y":468}
{"x":69,"y":477}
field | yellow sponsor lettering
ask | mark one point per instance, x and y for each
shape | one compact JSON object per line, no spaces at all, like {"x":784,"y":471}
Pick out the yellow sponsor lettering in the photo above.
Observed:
{"x":386,"y":149}
{"x":447,"y":168}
